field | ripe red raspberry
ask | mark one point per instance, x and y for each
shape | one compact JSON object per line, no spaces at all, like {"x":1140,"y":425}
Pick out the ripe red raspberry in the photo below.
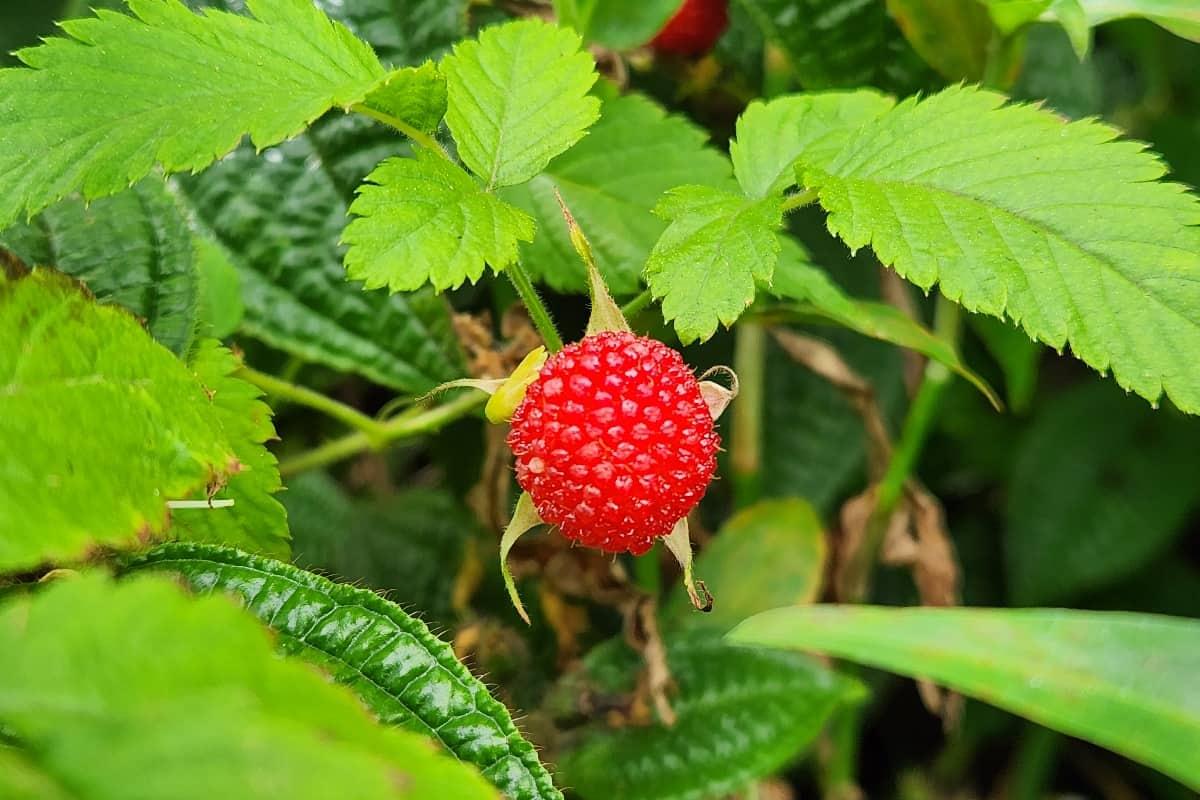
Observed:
{"x":614,"y":442}
{"x":694,"y":29}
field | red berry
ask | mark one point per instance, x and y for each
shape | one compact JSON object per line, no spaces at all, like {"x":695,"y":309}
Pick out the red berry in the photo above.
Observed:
{"x":613,"y":441}
{"x":694,"y":29}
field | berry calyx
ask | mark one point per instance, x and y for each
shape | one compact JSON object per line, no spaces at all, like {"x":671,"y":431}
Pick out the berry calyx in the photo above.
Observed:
{"x":614,"y":442}
{"x":694,"y":29}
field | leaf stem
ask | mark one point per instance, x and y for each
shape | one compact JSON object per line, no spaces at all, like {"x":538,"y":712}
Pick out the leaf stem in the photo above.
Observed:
{"x":418,"y":136}
{"x":302,"y":395}
{"x":745,"y":456}
{"x":404,"y":426}
{"x":799,"y":200}
{"x":638,"y":303}
{"x":533,"y":303}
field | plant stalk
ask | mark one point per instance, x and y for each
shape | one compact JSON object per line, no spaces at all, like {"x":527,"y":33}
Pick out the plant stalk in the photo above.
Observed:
{"x":302,"y":395}
{"x":745,"y":454}
{"x":404,"y":426}
{"x":418,"y":136}
{"x":533,"y":304}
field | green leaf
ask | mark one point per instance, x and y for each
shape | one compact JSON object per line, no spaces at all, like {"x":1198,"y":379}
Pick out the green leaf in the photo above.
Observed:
{"x":611,"y":181}
{"x":425,"y":220}
{"x":1181,"y":17}
{"x":1101,"y":485}
{"x":137,"y":691}
{"x":387,"y":544}
{"x":402,"y":31}
{"x":772,"y":135}
{"x":1124,"y":681}
{"x":706,"y":263}
{"x":616,"y":24}
{"x":416,"y":96}
{"x":952,"y":36}
{"x":404,"y":674}
{"x":518,"y":98}
{"x":133,"y":249}
{"x":256,"y":522}
{"x":220,"y":308}
{"x":796,"y":278}
{"x":768,"y":555}
{"x":834,"y":44}
{"x":278,"y":216}
{"x":742,"y":715}
{"x":1000,"y":206}
{"x":109,"y":425}
{"x":162,"y":105}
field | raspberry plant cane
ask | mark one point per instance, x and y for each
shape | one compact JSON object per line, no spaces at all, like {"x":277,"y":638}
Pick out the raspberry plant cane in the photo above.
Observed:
{"x":613,"y":436}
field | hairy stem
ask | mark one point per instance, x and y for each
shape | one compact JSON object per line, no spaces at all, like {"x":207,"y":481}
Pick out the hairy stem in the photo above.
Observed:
{"x":638,"y":303}
{"x":533,"y":304}
{"x":745,"y":456}
{"x":799,"y":200}
{"x":302,"y":395}
{"x":402,"y":427}
{"x":420,"y":137}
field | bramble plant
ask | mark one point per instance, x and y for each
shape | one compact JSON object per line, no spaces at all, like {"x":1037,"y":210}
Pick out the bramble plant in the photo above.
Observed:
{"x":258,"y":258}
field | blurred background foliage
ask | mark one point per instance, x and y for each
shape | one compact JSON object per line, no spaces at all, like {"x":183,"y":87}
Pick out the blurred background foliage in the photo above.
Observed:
{"x":1077,"y":495}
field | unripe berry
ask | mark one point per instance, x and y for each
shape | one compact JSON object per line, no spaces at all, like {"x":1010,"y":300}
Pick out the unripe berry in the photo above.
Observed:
{"x":614,"y":442}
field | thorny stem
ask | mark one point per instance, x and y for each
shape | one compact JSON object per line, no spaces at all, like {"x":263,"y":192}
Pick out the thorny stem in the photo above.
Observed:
{"x":404,"y":426}
{"x":745,"y":457}
{"x":534,"y":305}
{"x":418,"y":136}
{"x":302,"y":395}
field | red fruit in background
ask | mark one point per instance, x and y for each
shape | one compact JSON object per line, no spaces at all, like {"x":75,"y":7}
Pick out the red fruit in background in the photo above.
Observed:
{"x":694,"y":29}
{"x":614,"y":442}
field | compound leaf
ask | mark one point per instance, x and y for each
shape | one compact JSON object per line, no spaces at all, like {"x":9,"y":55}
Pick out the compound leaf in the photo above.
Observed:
{"x":109,"y":425}
{"x":180,"y":90}
{"x":402,"y":672}
{"x":742,"y":714}
{"x":416,"y":96}
{"x":771,"y":135}
{"x":133,"y":249}
{"x":611,"y":181}
{"x":1001,"y":206}
{"x":1094,"y":675}
{"x":706,"y":264}
{"x":425,"y":220}
{"x":518,"y":97}
{"x":136,"y":690}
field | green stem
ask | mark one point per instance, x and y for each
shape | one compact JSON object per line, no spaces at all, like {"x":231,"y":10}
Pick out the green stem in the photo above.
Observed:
{"x":638,"y":303}
{"x":402,"y":427}
{"x":302,"y":395}
{"x":745,"y":456}
{"x":838,"y":774}
{"x":799,"y":200}
{"x":418,"y":136}
{"x":533,"y":304}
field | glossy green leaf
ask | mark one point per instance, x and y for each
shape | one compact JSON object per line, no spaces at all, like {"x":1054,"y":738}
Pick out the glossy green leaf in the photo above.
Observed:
{"x":833,"y":44}
{"x":425,"y":220}
{"x":133,"y":249}
{"x":518,"y":98}
{"x":717,"y":246}
{"x":797,"y":279}
{"x":402,"y":672}
{"x":278,"y":215}
{"x":772,"y":135}
{"x":617,"y":24}
{"x":279,"y":70}
{"x":1124,"y":681}
{"x":742,"y":714}
{"x":402,"y":32}
{"x":1101,"y":485}
{"x":387,"y":544}
{"x":611,"y":181}
{"x":109,"y":426}
{"x":415,"y":96}
{"x":1181,"y":17}
{"x":256,"y":522}
{"x":137,"y":691}
{"x":768,"y":555}
{"x":953,"y":36}
{"x":220,"y":309}
{"x":1014,"y":221}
